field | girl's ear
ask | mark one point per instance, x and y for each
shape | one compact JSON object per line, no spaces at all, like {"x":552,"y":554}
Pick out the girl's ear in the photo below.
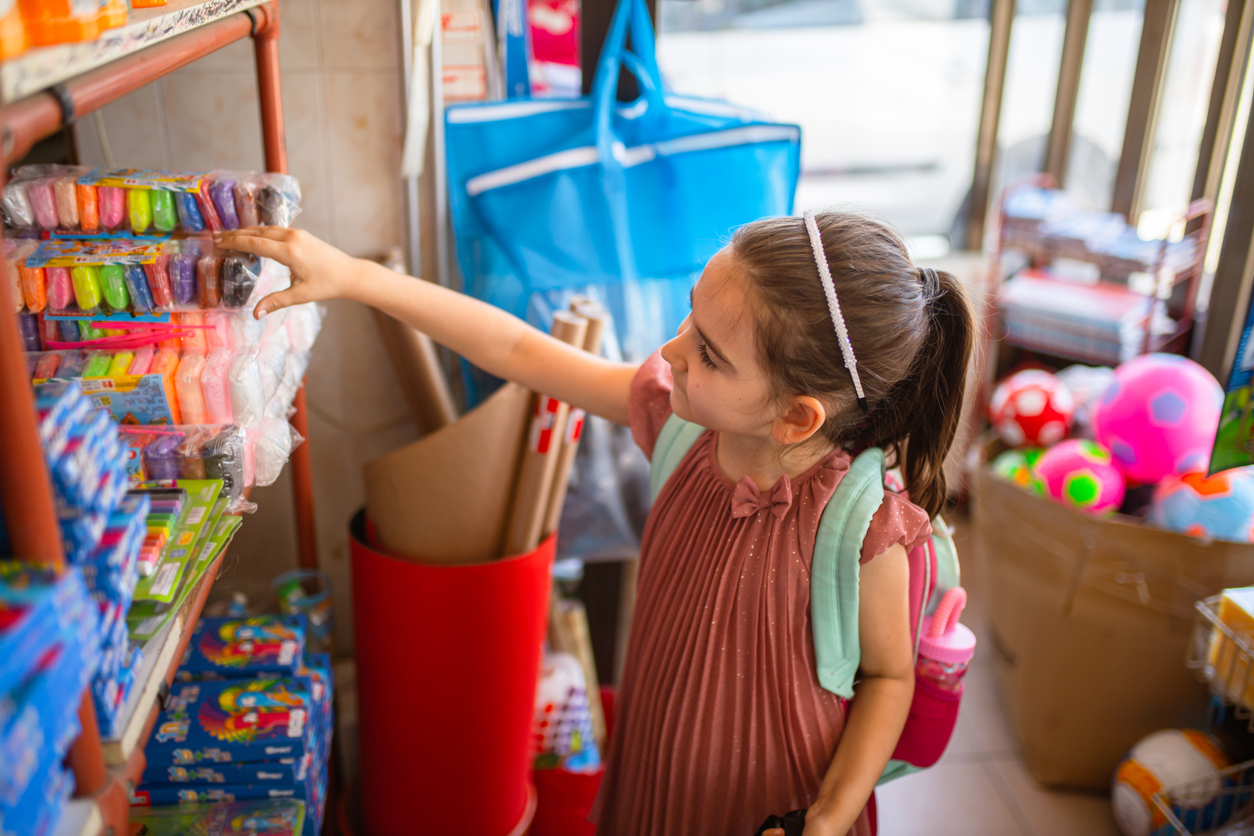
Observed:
{"x":802,"y":417}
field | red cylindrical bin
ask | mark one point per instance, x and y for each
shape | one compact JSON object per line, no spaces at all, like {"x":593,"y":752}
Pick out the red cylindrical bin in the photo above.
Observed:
{"x":448,"y":659}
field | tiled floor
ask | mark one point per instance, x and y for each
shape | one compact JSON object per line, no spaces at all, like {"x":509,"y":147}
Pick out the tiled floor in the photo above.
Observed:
{"x":981,"y":787}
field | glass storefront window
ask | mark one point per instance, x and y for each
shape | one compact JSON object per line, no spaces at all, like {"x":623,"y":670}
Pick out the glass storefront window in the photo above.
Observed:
{"x":887,"y":93}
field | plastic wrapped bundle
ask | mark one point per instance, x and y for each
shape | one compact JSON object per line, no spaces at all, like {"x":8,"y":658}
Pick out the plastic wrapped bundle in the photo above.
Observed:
{"x":273,"y":442}
{"x":215,"y":381}
{"x":303,"y":324}
{"x":278,"y":199}
{"x":271,"y":361}
{"x":248,"y":396}
{"x":224,"y":459}
{"x":239,"y":276}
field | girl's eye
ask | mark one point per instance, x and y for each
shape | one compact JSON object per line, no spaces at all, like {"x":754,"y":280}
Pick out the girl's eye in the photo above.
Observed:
{"x":705,"y":356}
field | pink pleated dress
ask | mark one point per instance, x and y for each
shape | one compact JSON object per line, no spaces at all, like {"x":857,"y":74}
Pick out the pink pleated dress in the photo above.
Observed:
{"x":721,"y":720}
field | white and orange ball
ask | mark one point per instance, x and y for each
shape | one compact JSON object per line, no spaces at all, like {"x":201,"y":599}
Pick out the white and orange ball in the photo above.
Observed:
{"x":1186,"y":762}
{"x":1081,"y":474}
{"x":1219,"y":507}
{"x":1031,"y":408}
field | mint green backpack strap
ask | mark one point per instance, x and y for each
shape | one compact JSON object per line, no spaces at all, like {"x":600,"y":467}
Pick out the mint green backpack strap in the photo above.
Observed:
{"x":673,"y":443}
{"x":834,"y":571}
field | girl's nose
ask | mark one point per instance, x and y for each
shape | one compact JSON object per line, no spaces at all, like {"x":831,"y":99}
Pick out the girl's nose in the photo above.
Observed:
{"x":673,"y":353}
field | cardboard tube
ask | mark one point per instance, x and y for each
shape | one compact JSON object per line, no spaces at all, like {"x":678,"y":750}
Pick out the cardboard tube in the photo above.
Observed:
{"x":417,"y":366}
{"x":416,"y":362}
{"x":539,"y":459}
{"x":596,"y":318}
{"x":574,"y":630}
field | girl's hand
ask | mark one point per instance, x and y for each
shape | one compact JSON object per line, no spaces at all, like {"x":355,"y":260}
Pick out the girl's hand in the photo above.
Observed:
{"x":319,"y":270}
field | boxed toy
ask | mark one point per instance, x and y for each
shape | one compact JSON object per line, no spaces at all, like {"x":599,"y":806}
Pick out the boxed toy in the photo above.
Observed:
{"x":285,"y":772}
{"x":239,"y":647}
{"x":282,"y":817}
{"x":233,"y":721}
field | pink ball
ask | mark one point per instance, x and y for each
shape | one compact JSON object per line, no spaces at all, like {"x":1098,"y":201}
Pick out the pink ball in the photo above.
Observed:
{"x":1159,"y":416}
{"x":1081,"y":474}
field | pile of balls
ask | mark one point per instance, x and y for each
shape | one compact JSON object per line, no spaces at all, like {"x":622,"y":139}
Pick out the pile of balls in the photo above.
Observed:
{"x":1084,"y":435}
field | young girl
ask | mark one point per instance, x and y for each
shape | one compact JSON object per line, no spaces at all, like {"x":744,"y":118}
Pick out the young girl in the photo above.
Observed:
{"x":721,"y":718}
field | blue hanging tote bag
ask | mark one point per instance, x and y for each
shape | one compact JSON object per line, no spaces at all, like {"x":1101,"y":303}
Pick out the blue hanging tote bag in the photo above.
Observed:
{"x":566,"y":194}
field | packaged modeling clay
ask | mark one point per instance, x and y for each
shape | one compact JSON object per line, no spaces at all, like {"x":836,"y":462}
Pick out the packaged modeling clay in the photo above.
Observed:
{"x":161,"y":459}
{"x":216,"y":384}
{"x":144,"y":201}
{"x":196,"y":338}
{"x":191,"y":453}
{"x":248,"y":397}
{"x":239,"y":647}
{"x":10,"y":275}
{"x":239,"y":277}
{"x":165,"y":363}
{"x":224,"y":459}
{"x":60,"y":288}
{"x":190,"y":392}
{"x":209,"y":281}
{"x":113,"y":282}
{"x":28,"y":326}
{"x":137,"y":288}
{"x":142,"y":361}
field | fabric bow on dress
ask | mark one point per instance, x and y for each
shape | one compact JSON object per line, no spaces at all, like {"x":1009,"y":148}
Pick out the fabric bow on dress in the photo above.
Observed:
{"x":747,"y":500}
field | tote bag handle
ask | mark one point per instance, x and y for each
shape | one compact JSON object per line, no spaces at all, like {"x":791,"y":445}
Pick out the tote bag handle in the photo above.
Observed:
{"x":641,"y":62}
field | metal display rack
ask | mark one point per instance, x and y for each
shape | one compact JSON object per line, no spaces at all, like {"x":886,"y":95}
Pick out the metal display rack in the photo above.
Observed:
{"x":59,"y":85}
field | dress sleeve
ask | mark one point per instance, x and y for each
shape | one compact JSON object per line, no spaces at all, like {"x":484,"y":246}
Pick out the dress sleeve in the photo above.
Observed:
{"x":649,"y":404}
{"x":898,"y":520}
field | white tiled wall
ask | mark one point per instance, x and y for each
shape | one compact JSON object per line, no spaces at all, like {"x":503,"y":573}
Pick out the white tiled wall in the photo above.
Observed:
{"x":342,"y":101}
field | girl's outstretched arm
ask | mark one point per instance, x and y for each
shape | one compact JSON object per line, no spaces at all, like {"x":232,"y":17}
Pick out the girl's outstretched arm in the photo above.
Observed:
{"x":882,"y":698}
{"x":492,"y":339}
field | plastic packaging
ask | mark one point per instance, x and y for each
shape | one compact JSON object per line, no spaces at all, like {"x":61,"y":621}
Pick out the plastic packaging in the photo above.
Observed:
{"x":248,"y":396}
{"x":28,"y":326}
{"x":97,"y":364}
{"x":224,"y":459}
{"x":218,"y":329}
{"x":43,"y":200}
{"x":207,"y":211}
{"x":72,"y":363}
{"x":278,"y":199}
{"x":120,"y":363}
{"x":164,"y":216}
{"x":112,"y":206}
{"x":160,"y":458}
{"x":223,"y":194}
{"x":273,"y":441}
{"x":193,"y":322}
{"x":137,"y":288}
{"x":189,"y":212}
{"x":191,"y":395}
{"x":158,"y":274}
{"x":191,"y":453}
{"x":60,"y":288}
{"x":16,"y":204}
{"x":65,"y":192}
{"x":33,"y":280}
{"x":182,"y":267}
{"x":88,"y":208}
{"x":87,"y":290}
{"x":215,"y":382}
{"x":239,"y":277}
{"x":165,"y":363}
{"x":142,"y":362}
{"x":246,"y":203}
{"x":209,"y":281}
{"x":113,"y":280}
{"x":139,"y":209}
{"x":60,"y":21}
{"x":47,"y":365}
{"x":271,"y":361}
{"x":11,"y":277}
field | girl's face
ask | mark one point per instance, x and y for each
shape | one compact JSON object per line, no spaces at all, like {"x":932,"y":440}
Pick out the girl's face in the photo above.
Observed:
{"x":719,"y":383}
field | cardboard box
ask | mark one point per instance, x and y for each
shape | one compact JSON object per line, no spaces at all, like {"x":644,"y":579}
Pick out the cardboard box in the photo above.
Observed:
{"x":1089,"y":619}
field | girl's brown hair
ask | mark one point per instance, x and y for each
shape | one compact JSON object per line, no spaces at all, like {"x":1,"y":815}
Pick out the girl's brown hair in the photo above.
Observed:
{"x":912,"y":333}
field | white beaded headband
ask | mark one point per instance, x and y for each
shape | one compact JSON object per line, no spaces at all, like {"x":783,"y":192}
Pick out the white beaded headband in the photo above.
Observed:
{"x":833,"y":305}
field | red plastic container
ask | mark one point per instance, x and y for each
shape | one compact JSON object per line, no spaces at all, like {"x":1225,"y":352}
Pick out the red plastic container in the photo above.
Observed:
{"x":448,"y":659}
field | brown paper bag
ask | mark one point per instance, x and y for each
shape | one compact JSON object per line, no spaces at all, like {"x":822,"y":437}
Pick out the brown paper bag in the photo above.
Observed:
{"x":444,"y":498}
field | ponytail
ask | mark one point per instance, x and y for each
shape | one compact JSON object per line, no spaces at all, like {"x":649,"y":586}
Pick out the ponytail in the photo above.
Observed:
{"x":935,"y":389}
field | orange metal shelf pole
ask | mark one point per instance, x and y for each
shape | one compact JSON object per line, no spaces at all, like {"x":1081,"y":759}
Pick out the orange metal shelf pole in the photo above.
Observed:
{"x":25,"y":486}
{"x":269,"y":92}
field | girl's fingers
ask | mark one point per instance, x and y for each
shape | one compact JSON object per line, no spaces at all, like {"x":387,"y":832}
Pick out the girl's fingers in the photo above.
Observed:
{"x":276,"y":301}
{"x":266,"y":246}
